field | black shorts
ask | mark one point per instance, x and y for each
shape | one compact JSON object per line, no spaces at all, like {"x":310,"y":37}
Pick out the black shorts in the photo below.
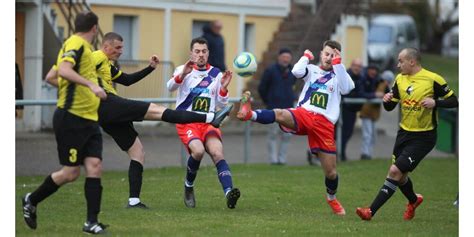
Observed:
{"x":411,"y":147}
{"x":116,"y":109}
{"x":116,"y":116}
{"x":76,"y":137}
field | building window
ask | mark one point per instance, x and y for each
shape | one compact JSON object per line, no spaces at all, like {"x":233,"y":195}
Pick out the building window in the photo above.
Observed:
{"x":127,"y":27}
{"x":198,"y":28}
{"x":249,"y":39}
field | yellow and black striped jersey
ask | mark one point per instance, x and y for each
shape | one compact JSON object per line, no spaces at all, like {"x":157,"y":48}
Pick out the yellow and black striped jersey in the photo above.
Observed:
{"x":78,"y":99}
{"x":410,"y":90}
{"x":106,"y":71}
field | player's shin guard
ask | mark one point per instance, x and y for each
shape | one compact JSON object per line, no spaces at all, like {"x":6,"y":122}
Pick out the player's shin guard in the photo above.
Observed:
{"x":135,"y":176}
{"x":191,"y":171}
{"x":388,"y":189}
{"x":93,"y":193}
{"x":224,"y":175}
{"x":331,"y":187}
{"x":265,"y":116}
{"x":407,"y":190}
{"x":182,"y":116}
{"x":46,"y":189}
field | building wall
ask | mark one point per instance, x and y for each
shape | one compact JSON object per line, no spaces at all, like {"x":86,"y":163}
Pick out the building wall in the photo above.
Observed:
{"x":151,"y":39}
{"x":352,"y":34}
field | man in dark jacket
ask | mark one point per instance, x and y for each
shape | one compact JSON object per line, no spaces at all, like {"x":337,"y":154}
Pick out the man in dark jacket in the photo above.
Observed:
{"x":212,"y":33}
{"x":276,"y":91}
{"x":349,"y":111}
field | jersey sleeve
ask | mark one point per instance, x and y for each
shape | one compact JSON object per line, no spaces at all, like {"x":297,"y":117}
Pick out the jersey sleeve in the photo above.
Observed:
{"x":222,"y":99}
{"x":115,"y":72}
{"x":441,"y":88}
{"x":72,"y":52}
{"x":172,"y":85}
{"x":396,"y":93}
{"x":344,"y":81}
{"x":300,"y":70}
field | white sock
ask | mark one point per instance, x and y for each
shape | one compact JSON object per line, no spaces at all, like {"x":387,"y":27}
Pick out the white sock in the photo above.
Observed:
{"x":331,"y":196}
{"x":133,"y":201}
{"x":254,"y":116}
{"x":188,"y":184}
{"x":209,"y":117}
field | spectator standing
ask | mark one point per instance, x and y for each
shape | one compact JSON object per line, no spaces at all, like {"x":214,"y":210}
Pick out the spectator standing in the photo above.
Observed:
{"x":212,"y":33}
{"x":349,"y":111}
{"x":370,"y":113}
{"x":276,"y":91}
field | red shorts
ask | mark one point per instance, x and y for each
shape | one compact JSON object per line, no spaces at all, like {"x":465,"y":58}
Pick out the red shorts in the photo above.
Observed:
{"x":192,"y":131}
{"x":319,"y":129}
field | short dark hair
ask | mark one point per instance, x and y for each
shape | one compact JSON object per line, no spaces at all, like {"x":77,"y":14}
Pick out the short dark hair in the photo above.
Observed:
{"x":332,"y":44}
{"x":111,"y":36}
{"x":85,"y":21}
{"x":199,"y":40}
{"x":413,"y":53}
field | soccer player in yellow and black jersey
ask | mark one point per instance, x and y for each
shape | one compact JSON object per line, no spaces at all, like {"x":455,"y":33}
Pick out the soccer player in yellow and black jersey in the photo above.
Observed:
{"x":419,"y":93}
{"x":116,"y":114}
{"x":78,"y":137}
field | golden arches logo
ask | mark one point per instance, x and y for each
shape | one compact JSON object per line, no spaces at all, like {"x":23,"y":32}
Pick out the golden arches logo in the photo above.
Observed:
{"x":201,"y":104}
{"x":319,"y":99}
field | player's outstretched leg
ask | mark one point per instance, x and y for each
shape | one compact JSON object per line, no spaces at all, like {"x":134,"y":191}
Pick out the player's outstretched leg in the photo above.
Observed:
{"x":245,"y":109}
{"x":159,"y":112}
{"x":263,"y":116}
{"x":220,"y":115}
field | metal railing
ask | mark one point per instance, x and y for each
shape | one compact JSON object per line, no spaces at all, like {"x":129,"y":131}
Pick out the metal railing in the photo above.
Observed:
{"x":248,"y":127}
{"x":247,"y":130}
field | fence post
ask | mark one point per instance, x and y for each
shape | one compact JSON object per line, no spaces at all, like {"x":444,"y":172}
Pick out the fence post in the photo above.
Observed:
{"x":247,"y":138}
{"x":339,"y":134}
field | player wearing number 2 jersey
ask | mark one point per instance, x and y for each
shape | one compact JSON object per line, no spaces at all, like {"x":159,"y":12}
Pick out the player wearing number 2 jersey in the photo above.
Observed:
{"x":202,"y":88}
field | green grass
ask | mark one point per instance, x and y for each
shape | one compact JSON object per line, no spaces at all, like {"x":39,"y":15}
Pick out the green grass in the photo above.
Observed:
{"x":447,"y":67}
{"x":275,"y":201}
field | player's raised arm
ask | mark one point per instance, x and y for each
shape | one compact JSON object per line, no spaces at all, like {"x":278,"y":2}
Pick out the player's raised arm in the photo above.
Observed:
{"x":223,"y":95}
{"x":344,"y":81}
{"x":179,"y":74}
{"x":130,"y":79}
{"x":300,"y":70}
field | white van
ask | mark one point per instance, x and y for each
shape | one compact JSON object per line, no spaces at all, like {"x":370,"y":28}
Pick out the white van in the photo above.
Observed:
{"x":388,"y":35}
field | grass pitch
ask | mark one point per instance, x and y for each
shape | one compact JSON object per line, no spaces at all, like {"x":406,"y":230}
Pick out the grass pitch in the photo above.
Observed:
{"x":275,"y":201}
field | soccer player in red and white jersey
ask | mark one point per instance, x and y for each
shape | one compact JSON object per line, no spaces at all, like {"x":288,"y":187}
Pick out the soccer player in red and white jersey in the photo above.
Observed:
{"x":202,"y":88}
{"x":317,"y":110}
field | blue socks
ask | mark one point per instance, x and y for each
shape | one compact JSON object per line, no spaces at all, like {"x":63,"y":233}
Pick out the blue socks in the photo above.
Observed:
{"x":224,"y":175}
{"x":191,"y":171}
{"x":265,"y":116}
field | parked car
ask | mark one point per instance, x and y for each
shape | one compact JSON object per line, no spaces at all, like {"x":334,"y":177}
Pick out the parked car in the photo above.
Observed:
{"x":388,"y":34}
{"x":451,"y":42}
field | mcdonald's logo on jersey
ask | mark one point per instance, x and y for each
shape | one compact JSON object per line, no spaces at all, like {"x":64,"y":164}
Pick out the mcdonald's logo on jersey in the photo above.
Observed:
{"x":319,"y":99}
{"x":201,"y":104}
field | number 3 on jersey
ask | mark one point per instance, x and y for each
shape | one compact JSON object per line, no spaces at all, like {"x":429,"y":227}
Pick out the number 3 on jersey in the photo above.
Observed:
{"x":72,"y":155}
{"x":319,"y":99}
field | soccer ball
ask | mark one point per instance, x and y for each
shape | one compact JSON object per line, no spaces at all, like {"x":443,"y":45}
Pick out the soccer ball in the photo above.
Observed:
{"x":245,"y":64}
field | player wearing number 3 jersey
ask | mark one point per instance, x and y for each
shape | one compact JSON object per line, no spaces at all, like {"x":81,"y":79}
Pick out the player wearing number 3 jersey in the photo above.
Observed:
{"x":317,"y":110}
